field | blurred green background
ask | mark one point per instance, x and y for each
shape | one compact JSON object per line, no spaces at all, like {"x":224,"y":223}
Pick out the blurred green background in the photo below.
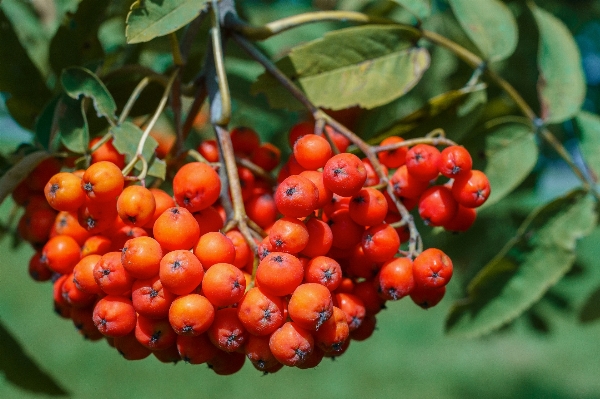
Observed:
{"x":407,"y":356}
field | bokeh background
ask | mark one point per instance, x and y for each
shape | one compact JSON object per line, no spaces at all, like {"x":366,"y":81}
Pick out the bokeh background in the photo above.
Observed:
{"x":546,"y":354}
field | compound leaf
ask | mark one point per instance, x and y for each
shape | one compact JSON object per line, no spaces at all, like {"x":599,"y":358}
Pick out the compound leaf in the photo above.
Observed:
{"x":489,"y":24}
{"x":21,"y":370}
{"x":79,"y":81}
{"x":540,"y":254}
{"x":152,"y":18}
{"x":561,"y":83}
{"x":11,"y":179}
{"x":366,"y":66}
{"x":510,"y":147}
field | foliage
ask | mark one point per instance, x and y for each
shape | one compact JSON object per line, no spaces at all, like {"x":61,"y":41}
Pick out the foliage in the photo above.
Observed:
{"x":410,"y":67}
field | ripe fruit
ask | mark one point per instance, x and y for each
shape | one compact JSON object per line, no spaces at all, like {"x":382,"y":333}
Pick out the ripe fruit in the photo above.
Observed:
{"x":196,"y":186}
{"x":472,"y":189}
{"x":344,"y":174}
{"x":432,"y":268}
{"x":102,"y":181}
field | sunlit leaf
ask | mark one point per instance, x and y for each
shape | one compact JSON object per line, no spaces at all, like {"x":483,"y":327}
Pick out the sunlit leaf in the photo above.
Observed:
{"x":531,"y":263}
{"x":126,"y":139}
{"x":72,"y":124}
{"x":419,"y":8}
{"x":561,"y":84}
{"x":152,"y":18}
{"x":80,"y":81}
{"x":19,"y":77}
{"x":16,"y":174}
{"x":21,"y":370}
{"x":366,"y":66}
{"x":511,"y":154}
{"x":589,"y":126}
{"x":489,"y":24}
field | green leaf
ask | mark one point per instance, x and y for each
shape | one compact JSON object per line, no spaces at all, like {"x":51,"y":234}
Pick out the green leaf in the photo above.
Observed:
{"x":366,"y":66}
{"x":21,"y":370}
{"x":589,"y":126}
{"x":489,"y":24}
{"x":76,"y":40}
{"x":531,"y":263}
{"x":20,"y":78}
{"x":591,"y":308}
{"x":561,"y":84}
{"x":15,"y":175}
{"x":419,"y":8}
{"x":511,"y":154}
{"x":126,"y":139}
{"x":80,"y":81}
{"x":72,"y":124}
{"x":152,"y":18}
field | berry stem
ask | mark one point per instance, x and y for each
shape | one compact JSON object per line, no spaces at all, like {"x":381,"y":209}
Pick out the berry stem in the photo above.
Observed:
{"x":219,"y":64}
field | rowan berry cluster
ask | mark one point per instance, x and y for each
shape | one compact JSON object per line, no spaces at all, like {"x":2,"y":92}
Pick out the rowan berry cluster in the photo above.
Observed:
{"x":162,"y":274}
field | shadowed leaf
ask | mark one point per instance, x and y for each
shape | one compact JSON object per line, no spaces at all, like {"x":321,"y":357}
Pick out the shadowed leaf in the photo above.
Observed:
{"x":19,"y":77}
{"x":589,"y":126}
{"x":419,"y":8}
{"x":16,"y":174}
{"x":21,"y":370}
{"x":591,"y":309}
{"x":72,"y":124}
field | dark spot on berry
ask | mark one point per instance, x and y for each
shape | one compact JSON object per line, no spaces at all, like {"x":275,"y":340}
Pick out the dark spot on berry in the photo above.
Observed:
{"x":131,"y":219}
{"x":435,"y":275}
{"x":300,"y":353}
{"x":267,"y":314}
{"x":455,"y":170}
{"x":121,"y":353}
{"x":124,"y":250}
{"x":62,"y":222}
{"x":155,"y":337}
{"x":337,"y":346}
{"x":185,"y":359}
{"x":153,"y":293}
{"x":89,"y":187}
{"x":236,"y":284}
{"x":176,"y":265}
{"x":290,"y":191}
{"x":328,"y":275}
{"x":260,"y":364}
{"x":91,"y":223}
{"x":79,"y":326}
{"x":278,"y":242}
{"x":186,"y":201}
{"x":359,"y":200}
{"x":231,"y":340}
{"x":324,"y":315}
{"x":187,"y":329}
{"x":54,"y":188}
{"x":339,"y":171}
{"x":175,"y":211}
{"x":479,"y":194}
{"x":369,"y":238}
{"x":393,"y":293}
{"x":105,"y":272}
{"x":419,"y":157}
{"x":103,"y":322}
{"x":278,"y":259}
